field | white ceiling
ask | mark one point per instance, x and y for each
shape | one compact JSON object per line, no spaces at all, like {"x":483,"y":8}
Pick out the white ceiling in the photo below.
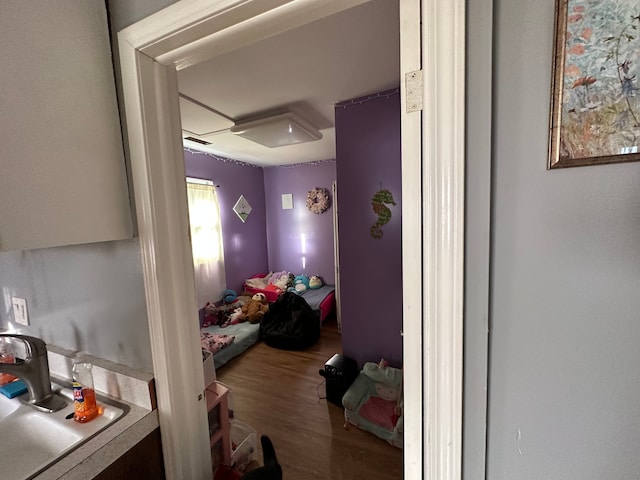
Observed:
{"x":306,"y":70}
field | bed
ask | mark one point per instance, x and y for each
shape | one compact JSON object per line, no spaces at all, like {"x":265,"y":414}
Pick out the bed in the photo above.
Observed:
{"x":228,"y":341}
{"x":222,"y":337}
{"x":244,"y":335}
{"x":322,"y":299}
{"x":260,"y":284}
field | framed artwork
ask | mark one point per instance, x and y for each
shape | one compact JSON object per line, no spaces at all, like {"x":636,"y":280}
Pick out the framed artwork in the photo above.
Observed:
{"x":595,"y":105}
{"x":242,"y":208}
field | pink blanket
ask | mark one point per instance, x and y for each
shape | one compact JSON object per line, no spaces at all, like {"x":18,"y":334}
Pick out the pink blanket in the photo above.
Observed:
{"x":214,"y":342}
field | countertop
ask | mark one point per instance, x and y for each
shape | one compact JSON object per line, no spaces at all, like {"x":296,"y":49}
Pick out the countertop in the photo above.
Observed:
{"x":129,"y":386}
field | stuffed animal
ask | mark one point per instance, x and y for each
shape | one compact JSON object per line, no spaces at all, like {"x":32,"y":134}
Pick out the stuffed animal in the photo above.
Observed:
{"x":315,"y":282}
{"x":229,"y":296}
{"x":255,"y":309}
{"x":236,"y":317}
{"x":301,"y":283}
{"x":280,"y":279}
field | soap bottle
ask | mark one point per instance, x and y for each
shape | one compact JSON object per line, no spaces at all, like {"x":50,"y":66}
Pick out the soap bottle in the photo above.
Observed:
{"x":6,"y":356}
{"x":84,"y":395}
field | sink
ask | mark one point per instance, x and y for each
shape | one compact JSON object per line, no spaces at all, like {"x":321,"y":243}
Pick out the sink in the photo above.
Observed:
{"x":7,"y":407}
{"x":34,"y":440}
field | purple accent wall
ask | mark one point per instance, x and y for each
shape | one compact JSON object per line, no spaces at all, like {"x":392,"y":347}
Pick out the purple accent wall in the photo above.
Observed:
{"x":368,"y":159}
{"x":286,"y":228}
{"x":245,"y":244}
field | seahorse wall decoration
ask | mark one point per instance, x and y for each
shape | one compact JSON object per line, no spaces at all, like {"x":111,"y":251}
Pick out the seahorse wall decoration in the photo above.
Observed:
{"x":384,"y":214}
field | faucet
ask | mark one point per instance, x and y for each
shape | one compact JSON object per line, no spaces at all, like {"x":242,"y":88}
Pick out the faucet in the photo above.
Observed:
{"x":34,"y":371}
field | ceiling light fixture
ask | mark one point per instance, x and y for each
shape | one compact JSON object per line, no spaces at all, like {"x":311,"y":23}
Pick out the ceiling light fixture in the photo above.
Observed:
{"x":278,"y":130}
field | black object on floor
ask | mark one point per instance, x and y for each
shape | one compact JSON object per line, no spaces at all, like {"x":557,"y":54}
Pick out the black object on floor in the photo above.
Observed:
{"x":290,"y":323}
{"x":271,"y":469}
{"x":339,"y":373}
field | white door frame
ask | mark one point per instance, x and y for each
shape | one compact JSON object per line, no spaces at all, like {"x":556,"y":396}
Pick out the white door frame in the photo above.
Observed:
{"x":186,"y":33}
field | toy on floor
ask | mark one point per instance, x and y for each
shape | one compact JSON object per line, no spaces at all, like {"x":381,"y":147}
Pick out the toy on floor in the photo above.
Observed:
{"x":374,"y":402}
{"x":271,"y":469}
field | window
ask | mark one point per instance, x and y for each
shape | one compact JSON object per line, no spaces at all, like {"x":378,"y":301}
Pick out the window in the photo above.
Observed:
{"x":206,"y":240}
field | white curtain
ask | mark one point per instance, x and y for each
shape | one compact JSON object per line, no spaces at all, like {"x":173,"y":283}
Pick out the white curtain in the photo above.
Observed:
{"x":206,"y":242}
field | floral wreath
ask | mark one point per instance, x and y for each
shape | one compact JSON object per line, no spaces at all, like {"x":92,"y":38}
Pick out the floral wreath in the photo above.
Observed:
{"x":318,"y":200}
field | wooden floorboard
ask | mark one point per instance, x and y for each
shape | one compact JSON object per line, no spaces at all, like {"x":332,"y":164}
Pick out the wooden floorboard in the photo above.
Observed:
{"x":280,"y":393}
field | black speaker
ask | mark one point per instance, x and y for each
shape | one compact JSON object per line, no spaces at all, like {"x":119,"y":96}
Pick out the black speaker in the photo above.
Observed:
{"x":339,"y":373}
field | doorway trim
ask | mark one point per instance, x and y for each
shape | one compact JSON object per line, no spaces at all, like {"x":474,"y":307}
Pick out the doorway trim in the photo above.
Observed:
{"x":186,"y":33}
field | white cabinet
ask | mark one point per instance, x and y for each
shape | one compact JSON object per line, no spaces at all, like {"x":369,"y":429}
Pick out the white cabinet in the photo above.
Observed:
{"x":62,"y":170}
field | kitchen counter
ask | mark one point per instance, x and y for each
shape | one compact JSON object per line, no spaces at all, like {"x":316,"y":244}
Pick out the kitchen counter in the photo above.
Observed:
{"x":129,"y":386}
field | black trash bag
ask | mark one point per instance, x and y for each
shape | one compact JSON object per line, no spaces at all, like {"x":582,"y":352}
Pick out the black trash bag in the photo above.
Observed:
{"x":290,"y":323}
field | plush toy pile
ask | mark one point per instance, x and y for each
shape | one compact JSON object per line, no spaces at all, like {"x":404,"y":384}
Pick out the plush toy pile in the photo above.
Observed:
{"x":232,"y":309}
{"x":255,"y":309}
{"x":302,"y":283}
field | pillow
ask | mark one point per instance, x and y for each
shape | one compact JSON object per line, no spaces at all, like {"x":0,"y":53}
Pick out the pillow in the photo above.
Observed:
{"x":256,"y":282}
{"x":279,"y":279}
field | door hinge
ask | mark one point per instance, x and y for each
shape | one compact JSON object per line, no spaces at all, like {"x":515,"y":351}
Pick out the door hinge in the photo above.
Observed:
{"x":413,"y":83}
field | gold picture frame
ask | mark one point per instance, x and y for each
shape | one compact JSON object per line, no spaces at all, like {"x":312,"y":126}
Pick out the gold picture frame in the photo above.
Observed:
{"x":595,"y":105}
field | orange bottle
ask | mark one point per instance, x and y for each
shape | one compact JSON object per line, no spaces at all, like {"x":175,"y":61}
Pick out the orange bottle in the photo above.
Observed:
{"x":6,"y":356}
{"x":84,"y":395}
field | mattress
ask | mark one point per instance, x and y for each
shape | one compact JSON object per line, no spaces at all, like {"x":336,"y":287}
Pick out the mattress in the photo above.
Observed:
{"x":322,"y":300}
{"x":246,"y":334}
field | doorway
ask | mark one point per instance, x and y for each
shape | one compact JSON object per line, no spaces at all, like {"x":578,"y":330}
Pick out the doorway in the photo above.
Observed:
{"x":150,"y":51}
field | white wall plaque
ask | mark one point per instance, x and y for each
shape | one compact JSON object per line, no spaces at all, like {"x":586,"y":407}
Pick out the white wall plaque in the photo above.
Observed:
{"x":287,"y":201}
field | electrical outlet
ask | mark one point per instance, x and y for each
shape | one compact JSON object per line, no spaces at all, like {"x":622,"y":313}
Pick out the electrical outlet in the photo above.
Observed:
{"x":20,"y":314}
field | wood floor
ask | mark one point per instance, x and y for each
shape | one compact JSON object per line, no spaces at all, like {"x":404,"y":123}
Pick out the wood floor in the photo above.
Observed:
{"x":279,"y":393}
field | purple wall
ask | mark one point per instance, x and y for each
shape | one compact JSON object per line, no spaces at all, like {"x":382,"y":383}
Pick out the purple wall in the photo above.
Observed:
{"x":369,"y":159}
{"x":245,"y":244}
{"x":285,"y":228}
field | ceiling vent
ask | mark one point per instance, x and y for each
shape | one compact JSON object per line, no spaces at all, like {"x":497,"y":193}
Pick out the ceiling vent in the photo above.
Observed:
{"x":197,"y":140}
{"x":278,"y":130}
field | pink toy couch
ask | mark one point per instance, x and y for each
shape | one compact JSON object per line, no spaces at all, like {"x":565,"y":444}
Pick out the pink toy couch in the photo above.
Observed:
{"x":374,"y":402}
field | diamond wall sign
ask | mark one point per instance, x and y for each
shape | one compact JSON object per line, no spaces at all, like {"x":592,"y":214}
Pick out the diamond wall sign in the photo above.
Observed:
{"x":242,"y":208}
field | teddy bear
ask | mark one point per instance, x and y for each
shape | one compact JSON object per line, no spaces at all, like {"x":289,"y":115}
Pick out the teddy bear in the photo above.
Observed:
{"x":255,"y":309}
{"x":315,"y":282}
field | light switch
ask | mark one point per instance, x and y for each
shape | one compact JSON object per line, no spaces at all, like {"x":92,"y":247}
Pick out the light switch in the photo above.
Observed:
{"x":20,"y":314}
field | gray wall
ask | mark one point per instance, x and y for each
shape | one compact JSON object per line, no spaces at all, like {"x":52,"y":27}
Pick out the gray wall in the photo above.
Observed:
{"x":565,"y":257}
{"x":123,"y":13}
{"x":477,"y":235}
{"x":564,"y":356}
{"x":86,"y":297}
